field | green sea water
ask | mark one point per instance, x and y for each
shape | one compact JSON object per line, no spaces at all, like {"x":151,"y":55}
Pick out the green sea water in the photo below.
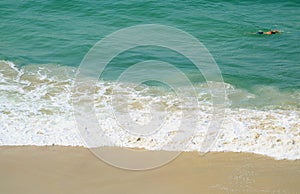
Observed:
{"x":62,"y":32}
{"x":42,"y":44}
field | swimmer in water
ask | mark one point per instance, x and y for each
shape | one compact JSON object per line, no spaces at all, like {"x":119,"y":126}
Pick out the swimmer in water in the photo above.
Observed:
{"x":268,"y":32}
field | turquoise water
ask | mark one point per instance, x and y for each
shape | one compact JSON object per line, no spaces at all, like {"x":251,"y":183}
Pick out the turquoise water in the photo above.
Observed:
{"x":43,"y":42}
{"x":62,"y":32}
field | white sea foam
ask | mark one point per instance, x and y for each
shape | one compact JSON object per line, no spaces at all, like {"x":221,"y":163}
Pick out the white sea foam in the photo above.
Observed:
{"x":36,"y":109}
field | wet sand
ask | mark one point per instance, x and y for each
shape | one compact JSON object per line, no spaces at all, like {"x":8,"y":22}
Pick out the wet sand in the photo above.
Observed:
{"x":57,"y":169}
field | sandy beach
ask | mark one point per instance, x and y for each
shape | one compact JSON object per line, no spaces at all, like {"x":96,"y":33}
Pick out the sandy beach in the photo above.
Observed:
{"x":58,"y":169}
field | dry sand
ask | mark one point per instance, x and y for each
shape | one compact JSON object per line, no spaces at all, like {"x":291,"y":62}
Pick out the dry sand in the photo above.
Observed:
{"x":74,"y":170}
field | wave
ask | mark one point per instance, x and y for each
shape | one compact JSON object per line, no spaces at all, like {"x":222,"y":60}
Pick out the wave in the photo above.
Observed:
{"x":36,"y":109}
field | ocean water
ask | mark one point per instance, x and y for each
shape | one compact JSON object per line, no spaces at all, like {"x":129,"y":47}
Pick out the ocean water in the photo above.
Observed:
{"x":42,"y":45}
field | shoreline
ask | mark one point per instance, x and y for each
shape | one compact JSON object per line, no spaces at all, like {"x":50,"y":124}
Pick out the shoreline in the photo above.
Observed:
{"x":66,"y":169}
{"x":47,"y":117}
